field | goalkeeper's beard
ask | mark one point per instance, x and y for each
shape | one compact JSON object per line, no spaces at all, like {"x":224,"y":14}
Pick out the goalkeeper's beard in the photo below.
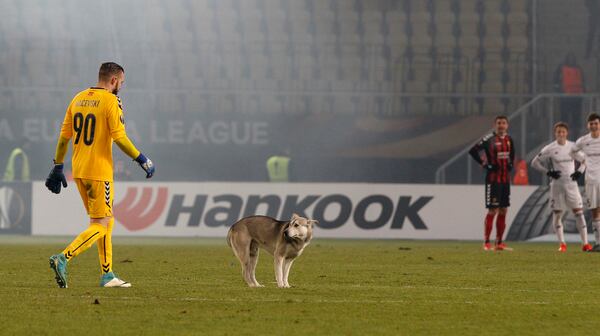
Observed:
{"x":115,"y":91}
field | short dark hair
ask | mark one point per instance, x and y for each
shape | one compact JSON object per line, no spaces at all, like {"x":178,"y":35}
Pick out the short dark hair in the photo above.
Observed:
{"x":501,"y":117}
{"x":561,"y":124}
{"x":593,"y":116}
{"x":109,"y":69}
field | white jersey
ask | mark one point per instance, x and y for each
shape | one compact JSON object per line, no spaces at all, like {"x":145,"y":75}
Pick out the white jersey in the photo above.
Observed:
{"x":591,"y":148}
{"x":557,"y":157}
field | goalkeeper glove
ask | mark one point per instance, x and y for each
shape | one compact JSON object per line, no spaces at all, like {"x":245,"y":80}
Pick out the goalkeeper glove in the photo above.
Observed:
{"x":576,"y":175}
{"x":56,"y":178}
{"x":555,"y":174}
{"x":146,"y":165}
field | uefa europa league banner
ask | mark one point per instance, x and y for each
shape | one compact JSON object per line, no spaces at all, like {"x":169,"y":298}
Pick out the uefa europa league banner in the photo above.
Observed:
{"x":343,"y":210}
{"x":15,"y":208}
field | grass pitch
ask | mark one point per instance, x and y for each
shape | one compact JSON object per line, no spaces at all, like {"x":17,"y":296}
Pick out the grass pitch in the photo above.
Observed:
{"x":343,"y":287}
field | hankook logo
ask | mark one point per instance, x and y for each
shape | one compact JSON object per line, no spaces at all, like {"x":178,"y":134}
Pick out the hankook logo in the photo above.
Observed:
{"x":137,"y":213}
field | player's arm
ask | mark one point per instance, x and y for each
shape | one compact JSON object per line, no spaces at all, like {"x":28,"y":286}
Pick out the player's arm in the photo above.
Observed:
{"x":576,"y":152}
{"x":56,"y":178}
{"x":129,"y":148}
{"x":116,"y":124}
{"x":511,"y":162}
{"x":579,"y":157}
{"x":475,"y":150}
{"x":537,"y":162}
{"x":581,"y":168}
{"x":62,"y":146}
{"x":482,"y":147}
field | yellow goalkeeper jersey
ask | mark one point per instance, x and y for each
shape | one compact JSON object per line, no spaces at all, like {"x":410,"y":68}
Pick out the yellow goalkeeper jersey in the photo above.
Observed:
{"x":94,"y":119}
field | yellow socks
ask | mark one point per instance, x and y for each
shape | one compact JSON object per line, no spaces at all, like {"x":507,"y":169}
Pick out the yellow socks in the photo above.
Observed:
{"x":105,"y":249}
{"x":85,"y":240}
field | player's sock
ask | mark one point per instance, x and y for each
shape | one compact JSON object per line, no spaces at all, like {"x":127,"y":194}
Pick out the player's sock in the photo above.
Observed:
{"x":105,"y":249}
{"x":84,"y":240}
{"x":558,"y":226}
{"x":500,"y":226}
{"x":581,"y":227}
{"x":596,"y":224}
{"x":489,"y":225}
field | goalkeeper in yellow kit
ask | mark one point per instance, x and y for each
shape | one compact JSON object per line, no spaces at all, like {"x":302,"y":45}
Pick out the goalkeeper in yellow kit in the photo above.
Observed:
{"x":93,"y":121}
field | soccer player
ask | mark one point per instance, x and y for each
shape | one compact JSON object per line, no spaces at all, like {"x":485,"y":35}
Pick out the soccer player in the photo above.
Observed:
{"x":93,"y":120}
{"x":495,"y":153}
{"x":589,"y":144}
{"x":555,"y":161}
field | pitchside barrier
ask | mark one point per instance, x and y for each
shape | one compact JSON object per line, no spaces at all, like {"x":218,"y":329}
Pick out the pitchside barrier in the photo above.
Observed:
{"x":409,"y":211}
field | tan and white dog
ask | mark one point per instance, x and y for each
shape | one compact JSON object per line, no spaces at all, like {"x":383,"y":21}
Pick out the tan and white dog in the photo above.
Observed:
{"x":285,"y":240}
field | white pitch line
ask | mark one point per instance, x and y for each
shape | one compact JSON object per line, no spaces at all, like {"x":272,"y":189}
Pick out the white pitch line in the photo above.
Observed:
{"x":332,"y":301}
{"x":486,"y":289}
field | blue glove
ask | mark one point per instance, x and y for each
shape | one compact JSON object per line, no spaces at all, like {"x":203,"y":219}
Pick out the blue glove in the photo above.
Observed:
{"x":146,"y":165}
{"x":56,"y":179}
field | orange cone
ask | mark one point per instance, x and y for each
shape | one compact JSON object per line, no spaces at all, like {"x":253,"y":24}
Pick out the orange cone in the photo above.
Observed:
{"x":521,"y":176}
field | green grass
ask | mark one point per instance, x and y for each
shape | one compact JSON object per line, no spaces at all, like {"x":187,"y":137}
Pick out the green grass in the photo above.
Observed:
{"x":346,"y":287}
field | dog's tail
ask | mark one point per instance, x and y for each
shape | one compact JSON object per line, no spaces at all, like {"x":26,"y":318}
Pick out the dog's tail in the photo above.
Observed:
{"x":229,"y":233}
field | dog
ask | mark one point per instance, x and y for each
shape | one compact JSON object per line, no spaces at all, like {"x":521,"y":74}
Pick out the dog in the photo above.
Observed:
{"x":284,"y":240}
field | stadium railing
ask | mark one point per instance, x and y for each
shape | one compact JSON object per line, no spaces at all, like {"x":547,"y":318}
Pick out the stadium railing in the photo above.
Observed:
{"x":531,"y":128}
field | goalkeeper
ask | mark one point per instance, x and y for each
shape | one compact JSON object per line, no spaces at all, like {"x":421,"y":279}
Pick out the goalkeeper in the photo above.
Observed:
{"x":93,"y":120}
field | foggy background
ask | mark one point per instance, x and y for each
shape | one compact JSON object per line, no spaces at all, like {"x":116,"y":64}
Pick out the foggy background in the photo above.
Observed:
{"x":357,"y":91}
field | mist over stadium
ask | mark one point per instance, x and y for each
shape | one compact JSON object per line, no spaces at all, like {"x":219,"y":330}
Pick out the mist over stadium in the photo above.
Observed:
{"x":375,"y":120}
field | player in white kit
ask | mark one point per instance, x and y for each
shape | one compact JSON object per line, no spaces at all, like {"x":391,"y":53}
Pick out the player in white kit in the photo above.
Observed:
{"x":589,"y":144}
{"x":555,"y":161}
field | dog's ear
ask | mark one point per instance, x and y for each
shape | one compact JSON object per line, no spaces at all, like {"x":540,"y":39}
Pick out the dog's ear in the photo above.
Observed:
{"x":313,"y":222}
{"x":295,"y":216}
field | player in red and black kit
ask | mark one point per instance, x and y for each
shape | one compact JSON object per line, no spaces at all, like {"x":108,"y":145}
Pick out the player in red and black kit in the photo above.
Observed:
{"x":496,"y":154}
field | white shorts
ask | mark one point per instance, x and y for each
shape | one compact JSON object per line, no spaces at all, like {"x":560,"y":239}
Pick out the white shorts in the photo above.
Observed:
{"x":592,"y":195}
{"x":565,"y":196}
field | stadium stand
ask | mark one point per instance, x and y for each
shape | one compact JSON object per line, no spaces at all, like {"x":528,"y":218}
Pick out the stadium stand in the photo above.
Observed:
{"x":389,"y":59}
{"x":452,"y":47}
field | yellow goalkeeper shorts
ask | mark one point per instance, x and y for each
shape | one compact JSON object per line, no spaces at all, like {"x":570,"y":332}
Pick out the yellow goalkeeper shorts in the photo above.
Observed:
{"x":97,"y":197}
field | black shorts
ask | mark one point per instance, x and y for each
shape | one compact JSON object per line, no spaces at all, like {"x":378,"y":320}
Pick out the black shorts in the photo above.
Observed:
{"x":497,"y":195}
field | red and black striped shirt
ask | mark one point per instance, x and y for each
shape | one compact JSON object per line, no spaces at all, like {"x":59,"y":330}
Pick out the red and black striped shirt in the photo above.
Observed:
{"x":498,"y":151}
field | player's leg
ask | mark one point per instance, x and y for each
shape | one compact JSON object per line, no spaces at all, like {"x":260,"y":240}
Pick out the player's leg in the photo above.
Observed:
{"x":503,"y":195}
{"x":105,"y":249}
{"x":574,"y":201}
{"x":86,"y":239}
{"x":592,"y":192}
{"x":596,"y":225}
{"x":108,"y":278}
{"x":558,"y":205}
{"x":559,"y":230}
{"x":500,"y":227}
{"x":105,"y":243}
{"x":492,"y":210}
{"x":488,"y":226}
{"x":93,"y":193}
{"x":582,"y":229}
{"x":83,"y":241}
